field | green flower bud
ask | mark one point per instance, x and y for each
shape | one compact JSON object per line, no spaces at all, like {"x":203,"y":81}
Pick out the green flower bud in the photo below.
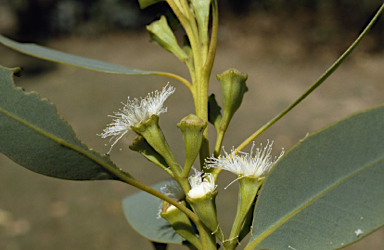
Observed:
{"x":141,"y":145}
{"x":232,"y":88}
{"x":201,"y":9}
{"x":192,"y":128}
{"x":152,"y":133}
{"x":180,"y":223}
{"x":161,"y":34}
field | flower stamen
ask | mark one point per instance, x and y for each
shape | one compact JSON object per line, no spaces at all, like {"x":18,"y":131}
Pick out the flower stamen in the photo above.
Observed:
{"x":135,"y":112}
{"x":255,"y":164}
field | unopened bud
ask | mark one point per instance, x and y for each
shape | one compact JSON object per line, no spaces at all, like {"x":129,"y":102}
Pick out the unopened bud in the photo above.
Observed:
{"x":192,"y":128}
{"x":201,"y":9}
{"x":141,"y":145}
{"x":162,"y":35}
{"x":152,"y":133}
{"x":232,"y":88}
{"x":180,"y":223}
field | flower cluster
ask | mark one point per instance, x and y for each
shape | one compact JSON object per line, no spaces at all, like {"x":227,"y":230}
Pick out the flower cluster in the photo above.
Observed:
{"x":244,"y":164}
{"x":134,"y":112}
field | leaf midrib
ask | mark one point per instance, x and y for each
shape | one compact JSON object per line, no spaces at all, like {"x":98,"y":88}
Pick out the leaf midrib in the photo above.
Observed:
{"x":87,"y":153}
{"x":269,"y":231}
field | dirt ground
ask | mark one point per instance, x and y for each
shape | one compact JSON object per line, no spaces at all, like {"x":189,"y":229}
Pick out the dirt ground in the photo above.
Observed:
{"x":37,"y":212}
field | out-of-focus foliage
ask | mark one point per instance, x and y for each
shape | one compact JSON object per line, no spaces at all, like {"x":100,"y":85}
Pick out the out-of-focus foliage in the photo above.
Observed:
{"x":39,"y":19}
{"x":33,"y":20}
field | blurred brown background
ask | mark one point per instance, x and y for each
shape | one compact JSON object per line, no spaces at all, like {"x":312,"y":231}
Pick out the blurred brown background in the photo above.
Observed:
{"x":284,"y":46}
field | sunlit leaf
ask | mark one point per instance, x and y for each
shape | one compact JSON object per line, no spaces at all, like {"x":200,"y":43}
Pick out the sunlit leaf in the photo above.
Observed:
{"x":73,"y":60}
{"x":34,"y":136}
{"x":142,"y":210}
{"x":327,"y":191}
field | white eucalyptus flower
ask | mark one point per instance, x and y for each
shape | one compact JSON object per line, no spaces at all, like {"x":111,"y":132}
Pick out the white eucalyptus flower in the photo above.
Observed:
{"x":246,"y":165}
{"x":201,"y":184}
{"x":134,"y":112}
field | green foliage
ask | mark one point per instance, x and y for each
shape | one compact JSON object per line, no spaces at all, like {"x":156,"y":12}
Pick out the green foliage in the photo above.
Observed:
{"x":77,"y":61}
{"x":325,"y":188}
{"x":324,"y":194}
{"x":34,"y":136}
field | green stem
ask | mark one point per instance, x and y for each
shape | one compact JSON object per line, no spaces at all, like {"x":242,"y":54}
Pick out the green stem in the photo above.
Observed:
{"x":191,"y":30}
{"x":206,"y":72}
{"x":213,"y":42}
{"x":205,"y":237}
{"x":219,"y":142}
{"x":201,"y":107}
{"x":247,"y":194}
{"x":176,"y":77}
{"x":127,"y":178}
{"x":208,"y":242}
{"x":316,"y":84}
{"x":200,"y":84}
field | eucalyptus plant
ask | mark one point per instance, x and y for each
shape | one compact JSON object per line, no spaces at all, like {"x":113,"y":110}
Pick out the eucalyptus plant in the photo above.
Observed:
{"x":303,"y":199}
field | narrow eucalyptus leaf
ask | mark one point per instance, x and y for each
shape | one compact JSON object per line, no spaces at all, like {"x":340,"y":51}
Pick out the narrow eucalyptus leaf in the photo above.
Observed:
{"x":327,"y":191}
{"x":142,"y":213}
{"x":33,"y":135}
{"x":73,"y":60}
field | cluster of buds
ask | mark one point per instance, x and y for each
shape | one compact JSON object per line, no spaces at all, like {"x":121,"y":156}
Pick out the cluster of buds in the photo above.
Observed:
{"x":196,"y":192}
{"x":141,"y":116}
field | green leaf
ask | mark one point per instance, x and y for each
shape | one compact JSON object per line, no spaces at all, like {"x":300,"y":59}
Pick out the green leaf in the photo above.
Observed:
{"x":77,"y":61}
{"x":142,"y":211}
{"x":325,"y":189}
{"x":145,"y":3}
{"x":34,"y":136}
